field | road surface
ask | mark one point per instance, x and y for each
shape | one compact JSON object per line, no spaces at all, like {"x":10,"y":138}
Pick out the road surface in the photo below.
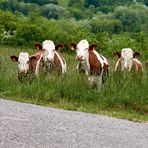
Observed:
{"x":30,"y":126}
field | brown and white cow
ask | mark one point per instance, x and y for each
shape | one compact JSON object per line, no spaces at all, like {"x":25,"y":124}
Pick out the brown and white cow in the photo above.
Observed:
{"x":27,"y":65}
{"x":51,"y":60}
{"x":91,"y":62}
{"x":128,"y":60}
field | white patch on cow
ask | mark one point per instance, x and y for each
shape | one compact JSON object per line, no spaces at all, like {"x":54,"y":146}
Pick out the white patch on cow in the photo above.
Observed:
{"x":82,"y":52}
{"x":63,"y":65}
{"x":23,"y":64}
{"x":117,"y":64}
{"x":126,"y":57}
{"x":100,"y":58}
{"x":132,"y":62}
{"x":48,"y":50}
{"x":137,"y":61}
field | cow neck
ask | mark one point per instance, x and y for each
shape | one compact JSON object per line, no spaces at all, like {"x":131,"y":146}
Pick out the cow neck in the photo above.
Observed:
{"x":136,"y":65}
{"x":95,"y":64}
{"x":57,"y":62}
{"x":85,"y":64}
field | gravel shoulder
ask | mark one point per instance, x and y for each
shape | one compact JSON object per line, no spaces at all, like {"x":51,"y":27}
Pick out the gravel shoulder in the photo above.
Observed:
{"x":31,"y":126}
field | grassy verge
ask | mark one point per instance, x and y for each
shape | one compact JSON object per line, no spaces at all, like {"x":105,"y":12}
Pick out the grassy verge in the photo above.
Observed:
{"x":125,"y":98}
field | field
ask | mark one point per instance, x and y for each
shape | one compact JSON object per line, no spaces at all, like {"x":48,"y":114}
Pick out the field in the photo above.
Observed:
{"x":124,"y":98}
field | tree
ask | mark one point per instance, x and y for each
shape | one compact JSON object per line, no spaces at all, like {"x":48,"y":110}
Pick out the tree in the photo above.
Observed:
{"x":9,"y":5}
{"x":41,"y":2}
{"x":52,"y":11}
{"x":146,"y":2}
{"x":127,"y":16}
{"x":76,"y":3}
{"x":107,"y":23}
{"x":87,"y":3}
{"x":132,"y":17}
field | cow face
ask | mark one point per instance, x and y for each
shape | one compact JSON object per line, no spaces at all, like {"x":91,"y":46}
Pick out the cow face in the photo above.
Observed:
{"x":126,"y":56}
{"x":23,"y":62}
{"x":49,"y":49}
{"x":81,"y":50}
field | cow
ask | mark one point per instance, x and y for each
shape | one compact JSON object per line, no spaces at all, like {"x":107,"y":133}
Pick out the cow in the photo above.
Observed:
{"x":51,"y":60}
{"x":91,"y":63}
{"x":27,"y":65}
{"x":128,"y":60}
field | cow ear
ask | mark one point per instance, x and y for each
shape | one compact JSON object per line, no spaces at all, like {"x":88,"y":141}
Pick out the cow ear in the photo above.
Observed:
{"x":136,"y":55}
{"x":38,"y":46}
{"x":60,"y":46}
{"x":117,"y":54}
{"x":33,"y":58}
{"x":92,"y":47}
{"x":72,"y":46}
{"x":14,"y":58}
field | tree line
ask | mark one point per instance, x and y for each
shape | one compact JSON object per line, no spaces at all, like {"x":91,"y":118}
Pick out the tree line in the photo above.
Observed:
{"x":112,"y":25}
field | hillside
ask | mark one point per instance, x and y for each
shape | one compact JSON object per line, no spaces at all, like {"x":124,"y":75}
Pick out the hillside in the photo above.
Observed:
{"x":74,"y":8}
{"x":111,"y":24}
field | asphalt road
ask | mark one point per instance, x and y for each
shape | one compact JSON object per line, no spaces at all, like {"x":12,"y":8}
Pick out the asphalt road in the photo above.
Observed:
{"x":30,"y":126}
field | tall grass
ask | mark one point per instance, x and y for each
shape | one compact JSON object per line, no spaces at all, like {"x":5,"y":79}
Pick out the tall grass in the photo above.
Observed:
{"x":125,"y":97}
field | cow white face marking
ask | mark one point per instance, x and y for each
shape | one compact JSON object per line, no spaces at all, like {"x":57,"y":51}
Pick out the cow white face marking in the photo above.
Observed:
{"x":48,"y":51}
{"x":23,"y":62}
{"x":82,"y":50}
{"x":126,"y":57}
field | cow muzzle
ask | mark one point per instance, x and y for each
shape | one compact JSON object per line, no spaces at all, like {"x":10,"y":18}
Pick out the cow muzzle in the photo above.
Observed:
{"x":22,"y":72}
{"x":80,"y":58}
{"x":49,"y":60}
{"x":22,"y":76}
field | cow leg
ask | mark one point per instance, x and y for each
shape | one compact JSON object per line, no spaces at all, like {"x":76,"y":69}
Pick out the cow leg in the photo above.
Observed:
{"x":99,"y":83}
{"x":95,"y":82}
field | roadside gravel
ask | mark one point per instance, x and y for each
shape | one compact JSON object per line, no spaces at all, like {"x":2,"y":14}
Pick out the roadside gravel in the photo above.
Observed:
{"x":31,"y":126}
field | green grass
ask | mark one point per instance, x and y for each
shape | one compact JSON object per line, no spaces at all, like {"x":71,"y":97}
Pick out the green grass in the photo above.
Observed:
{"x":124,"y":98}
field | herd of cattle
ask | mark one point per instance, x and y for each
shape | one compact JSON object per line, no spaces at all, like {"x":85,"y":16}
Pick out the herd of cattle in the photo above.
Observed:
{"x":90,"y":62}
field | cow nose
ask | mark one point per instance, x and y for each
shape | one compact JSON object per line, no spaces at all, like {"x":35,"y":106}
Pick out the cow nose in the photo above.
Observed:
{"x":79,"y":58}
{"x":22,"y":72}
{"x":49,"y":60}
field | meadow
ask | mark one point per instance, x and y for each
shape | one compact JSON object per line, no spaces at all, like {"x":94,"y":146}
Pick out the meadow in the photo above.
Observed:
{"x":120,"y":97}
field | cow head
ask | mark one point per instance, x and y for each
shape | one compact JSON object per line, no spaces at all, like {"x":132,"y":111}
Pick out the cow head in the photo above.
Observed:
{"x":23,"y":62}
{"x":126,"y":56}
{"x":81,"y":50}
{"x":48,"y":48}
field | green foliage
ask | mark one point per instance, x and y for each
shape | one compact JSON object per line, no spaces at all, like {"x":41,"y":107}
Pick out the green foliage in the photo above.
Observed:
{"x":87,"y":3}
{"x":103,"y":22}
{"x":9,"y":5}
{"x":146,"y":2}
{"x":117,"y":16}
{"x":27,"y":8}
{"x":52,"y":11}
{"x":76,"y":3}
{"x":131,"y":17}
{"x":41,"y":2}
